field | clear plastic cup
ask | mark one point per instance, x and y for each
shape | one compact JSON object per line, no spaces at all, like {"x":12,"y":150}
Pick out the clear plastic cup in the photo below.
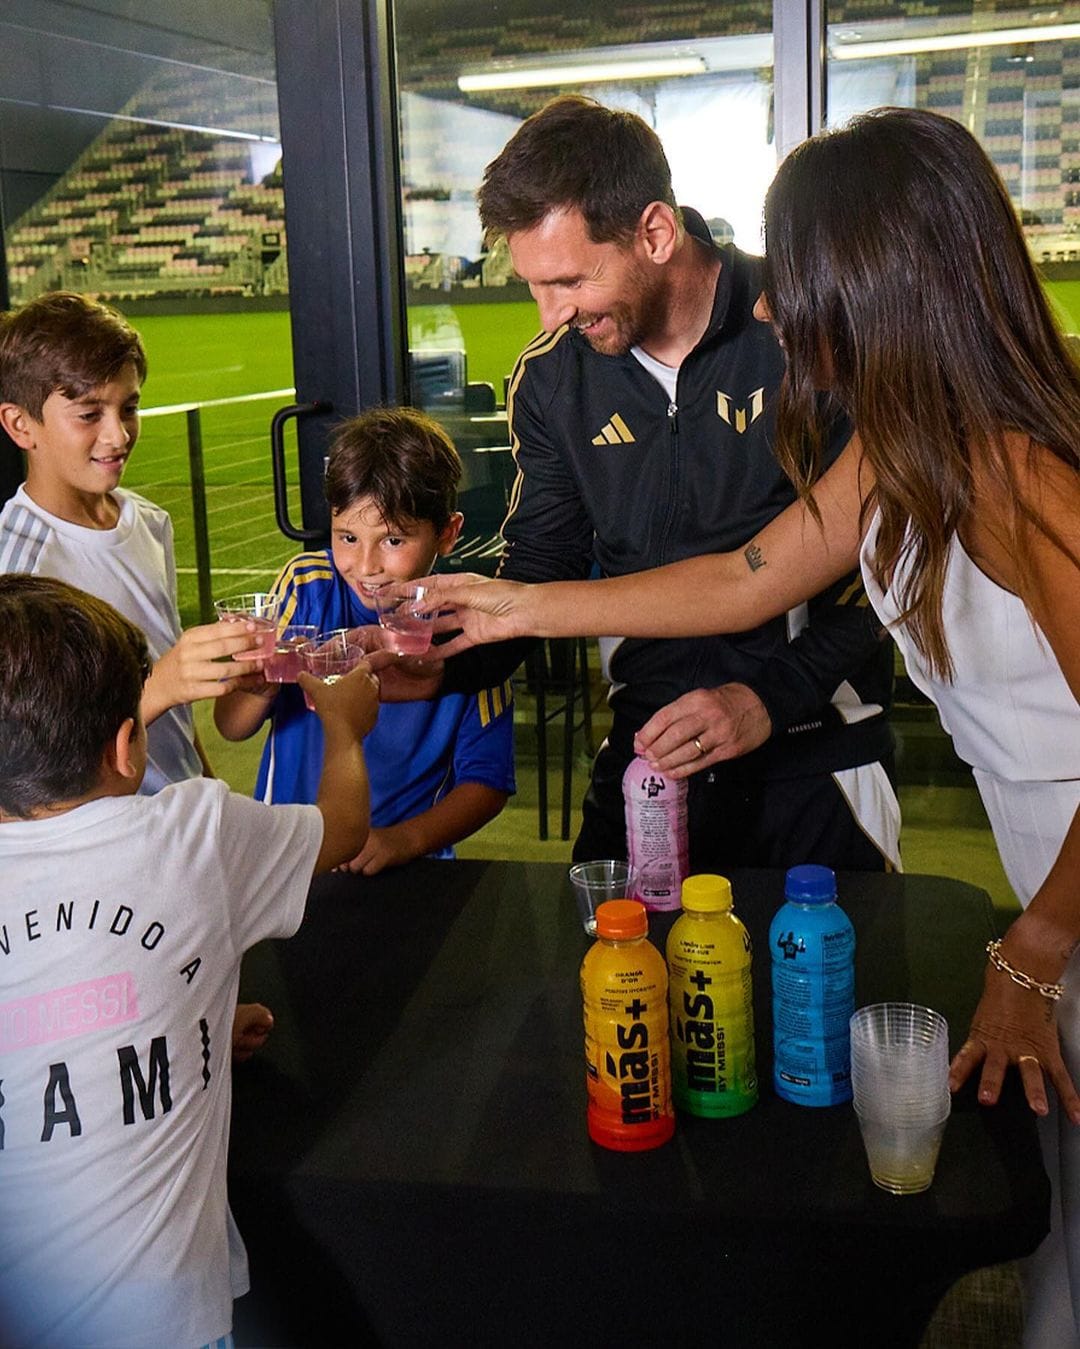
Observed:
{"x":596,"y":882}
{"x":900,"y":1058}
{"x":902,"y":1155}
{"x":286,"y":663}
{"x":407,"y":613}
{"x":900,"y":1091}
{"x":331,"y":655}
{"x":903,"y":1028}
{"x":257,"y":607}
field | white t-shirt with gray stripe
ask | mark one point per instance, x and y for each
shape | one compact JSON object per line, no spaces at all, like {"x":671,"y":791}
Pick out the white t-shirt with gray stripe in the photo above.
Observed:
{"x":131,"y":566}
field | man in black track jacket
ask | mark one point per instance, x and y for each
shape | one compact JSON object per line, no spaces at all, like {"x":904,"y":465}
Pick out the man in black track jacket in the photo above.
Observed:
{"x":641,"y":421}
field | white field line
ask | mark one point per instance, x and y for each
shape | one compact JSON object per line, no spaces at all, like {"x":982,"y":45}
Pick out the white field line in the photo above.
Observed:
{"x":169,"y":410}
{"x":251,"y":540}
{"x":180,"y":455}
{"x":173,"y":463}
{"x":231,"y":507}
{"x":239,"y":463}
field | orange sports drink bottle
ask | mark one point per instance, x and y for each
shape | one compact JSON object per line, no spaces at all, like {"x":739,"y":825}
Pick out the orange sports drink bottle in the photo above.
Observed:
{"x":627,"y":1056}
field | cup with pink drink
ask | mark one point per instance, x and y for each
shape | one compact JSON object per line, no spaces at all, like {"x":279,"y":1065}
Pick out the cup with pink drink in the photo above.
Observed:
{"x":407,"y":611}
{"x":331,"y":655}
{"x":286,"y":662}
{"x":259,"y":608}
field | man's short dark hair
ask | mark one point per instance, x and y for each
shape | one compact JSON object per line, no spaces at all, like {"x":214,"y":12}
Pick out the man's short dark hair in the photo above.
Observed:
{"x":67,"y":343}
{"x":401,"y":459}
{"x":575,"y":153}
{"x":71,"y":672}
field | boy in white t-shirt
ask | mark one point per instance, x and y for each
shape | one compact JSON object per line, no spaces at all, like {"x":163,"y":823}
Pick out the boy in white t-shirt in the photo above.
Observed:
{"x":122,"y":922}
{"x":71,"y":370}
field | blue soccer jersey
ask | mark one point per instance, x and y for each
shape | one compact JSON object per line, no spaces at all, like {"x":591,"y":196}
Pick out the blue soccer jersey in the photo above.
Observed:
{"x":417,"y":751}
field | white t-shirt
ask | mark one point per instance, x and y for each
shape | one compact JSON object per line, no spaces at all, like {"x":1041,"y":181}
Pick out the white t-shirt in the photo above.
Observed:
{"x":667,"y":376}
{"x":131,"y":567}
{"x":122,"y":924}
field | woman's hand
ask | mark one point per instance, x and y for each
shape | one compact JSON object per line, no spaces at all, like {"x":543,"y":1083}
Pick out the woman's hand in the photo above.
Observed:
{"x":1015,"y":1026}
{"x":481,"y":610}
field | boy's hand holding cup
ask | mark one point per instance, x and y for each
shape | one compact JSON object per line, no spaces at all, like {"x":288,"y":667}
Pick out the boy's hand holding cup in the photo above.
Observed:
{"x":351,"y":701}
{"x":193,"y":668}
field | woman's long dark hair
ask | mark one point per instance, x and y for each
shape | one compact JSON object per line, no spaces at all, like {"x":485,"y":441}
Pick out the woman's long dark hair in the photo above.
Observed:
{"x":898,"y":276}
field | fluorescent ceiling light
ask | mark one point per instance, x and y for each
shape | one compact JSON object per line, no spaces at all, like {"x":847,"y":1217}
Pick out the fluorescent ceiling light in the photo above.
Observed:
{"x":599,"y":72}
{"x":944,"y":42}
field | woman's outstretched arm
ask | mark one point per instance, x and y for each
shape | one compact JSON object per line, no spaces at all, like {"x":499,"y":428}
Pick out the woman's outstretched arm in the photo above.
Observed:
{"x":787,"y":562}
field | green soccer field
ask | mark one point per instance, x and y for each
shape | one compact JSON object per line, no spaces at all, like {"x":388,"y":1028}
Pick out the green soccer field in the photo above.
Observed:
{"x":201,"y":358}
{"x":205,"y":357}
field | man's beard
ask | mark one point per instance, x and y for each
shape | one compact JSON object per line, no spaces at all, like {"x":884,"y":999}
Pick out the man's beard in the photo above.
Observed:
{"x":633,"y":322}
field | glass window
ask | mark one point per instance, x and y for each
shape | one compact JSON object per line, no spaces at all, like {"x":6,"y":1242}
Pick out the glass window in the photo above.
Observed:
{"x":469,"y":74}
{"x":1012,"y":75}
{"x":140,"y":162}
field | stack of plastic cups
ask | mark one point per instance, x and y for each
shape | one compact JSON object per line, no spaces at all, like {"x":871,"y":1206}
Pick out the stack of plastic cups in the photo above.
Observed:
{"x":900,"y":1085}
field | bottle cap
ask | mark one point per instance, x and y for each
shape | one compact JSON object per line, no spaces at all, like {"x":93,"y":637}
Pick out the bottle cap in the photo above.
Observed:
{"x":706,"y":894}
{"x":810,"y":884}
{"x":621,"y":919}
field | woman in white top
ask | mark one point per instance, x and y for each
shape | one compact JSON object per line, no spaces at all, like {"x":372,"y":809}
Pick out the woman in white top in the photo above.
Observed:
{"x":901,"y":287}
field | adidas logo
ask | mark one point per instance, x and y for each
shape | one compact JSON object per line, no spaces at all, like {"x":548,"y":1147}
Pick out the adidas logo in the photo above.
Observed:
{"x":616,"y":432}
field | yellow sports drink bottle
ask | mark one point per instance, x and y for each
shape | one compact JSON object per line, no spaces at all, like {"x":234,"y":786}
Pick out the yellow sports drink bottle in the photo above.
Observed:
{"x":712,"y":1003}
{"x":627,"y":1058}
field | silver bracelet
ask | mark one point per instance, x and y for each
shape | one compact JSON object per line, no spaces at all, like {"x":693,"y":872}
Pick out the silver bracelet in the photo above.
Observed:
{"x":1050,"y":991}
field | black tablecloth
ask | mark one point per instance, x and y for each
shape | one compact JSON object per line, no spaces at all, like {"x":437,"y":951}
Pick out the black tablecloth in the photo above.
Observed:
{"x":410,"y":1164}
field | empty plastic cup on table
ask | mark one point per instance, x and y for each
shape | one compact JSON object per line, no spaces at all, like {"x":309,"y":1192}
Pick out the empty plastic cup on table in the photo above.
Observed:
{"x":902,"y":1156}
{"x":596,"y":882}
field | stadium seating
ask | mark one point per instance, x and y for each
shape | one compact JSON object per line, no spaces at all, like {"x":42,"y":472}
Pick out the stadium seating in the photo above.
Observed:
{"x":156,"y":210}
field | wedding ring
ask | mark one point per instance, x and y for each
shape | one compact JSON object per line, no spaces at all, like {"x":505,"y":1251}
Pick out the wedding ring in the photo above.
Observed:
{"x":1029,"y":1058}
{"x":700,"y":747}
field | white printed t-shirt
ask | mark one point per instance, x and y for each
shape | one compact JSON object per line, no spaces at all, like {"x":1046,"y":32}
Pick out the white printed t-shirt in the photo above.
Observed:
{"x":122,"y":924}
{"x":131,"y":567}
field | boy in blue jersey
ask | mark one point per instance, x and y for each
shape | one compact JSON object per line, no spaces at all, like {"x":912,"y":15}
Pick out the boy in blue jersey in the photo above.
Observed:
{"x":439,"y":770}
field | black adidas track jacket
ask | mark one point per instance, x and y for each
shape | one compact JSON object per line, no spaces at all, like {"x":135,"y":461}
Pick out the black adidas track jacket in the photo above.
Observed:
{"x":609,"y":471}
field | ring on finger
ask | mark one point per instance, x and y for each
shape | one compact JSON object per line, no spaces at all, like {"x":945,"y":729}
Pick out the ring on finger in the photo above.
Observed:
{"x":700,"y":747}
{"x":1029,"y":1058}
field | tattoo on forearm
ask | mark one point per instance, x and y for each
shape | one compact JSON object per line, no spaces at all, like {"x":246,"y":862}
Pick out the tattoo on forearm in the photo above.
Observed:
{"x":755,"y":559}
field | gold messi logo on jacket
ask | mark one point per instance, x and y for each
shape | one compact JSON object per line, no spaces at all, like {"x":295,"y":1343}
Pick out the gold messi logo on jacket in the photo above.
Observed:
{"x":740,"y":417}
{"x":614,"y":432}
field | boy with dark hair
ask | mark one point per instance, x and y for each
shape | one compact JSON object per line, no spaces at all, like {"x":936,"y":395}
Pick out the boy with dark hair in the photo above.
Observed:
{"x":439,"y":769}
{"x":70,"y":373}
{"x":123,"y":921}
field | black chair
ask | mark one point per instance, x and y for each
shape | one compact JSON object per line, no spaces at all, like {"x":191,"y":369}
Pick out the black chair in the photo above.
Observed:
{"x":556,"y":671}
{"x":480,"y":545}
{"x":559,"y":667}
